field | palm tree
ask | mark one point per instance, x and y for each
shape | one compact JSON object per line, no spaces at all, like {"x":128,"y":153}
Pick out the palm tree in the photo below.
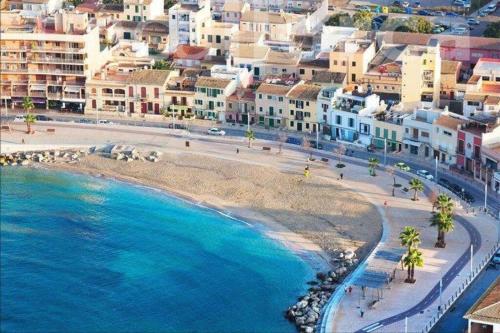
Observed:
{"x":443,"y":221}
{"x":409,"y":237}
{"x":416,"y":185}
{"x":250,"y":135}
{"x":372,"y":165}
{"x":29,"y":119}
{"x":444,"y":204}
{"x":28,"y":104}
{"x":412,"y":259}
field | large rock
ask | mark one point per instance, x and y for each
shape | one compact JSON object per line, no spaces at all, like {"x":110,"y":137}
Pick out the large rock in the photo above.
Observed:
{"x":349,"y":254}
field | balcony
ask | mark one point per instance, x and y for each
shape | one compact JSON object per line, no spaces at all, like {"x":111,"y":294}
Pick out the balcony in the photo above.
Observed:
{"x":20,"y":93}
{"x":10,"y":59}
{"x":14,"y":70}
{"x":50,"y":71}
{"x":51,"y":60}
{"x":37,"y":94}
{"x":54,"y":96}
{"x":299,"y":117}
{"x":59,"y":49}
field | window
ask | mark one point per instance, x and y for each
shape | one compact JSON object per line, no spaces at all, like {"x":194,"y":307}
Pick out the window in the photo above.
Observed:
{"x":343,"y":62}
{"x":269,"y":97}
{"x":144,"y":7}
{"x":260,"y":109}
{"x":302,"y":71}
{"x":446,"y":133}
{"x":173,"y":17}
{"x":386,"y":133}
{"x":335,"y":62}
{"x":307,"y":125}
{"x":338,"y":120}
{"x":226,"y":37}
{"x":280,"y":99}
{"x":291,"y":124}
{"x":351,"y":122}
{"x":486,"y":78}
{"x":291,"y":112}
{"x":217,"y":39}
{"x":424,"y":134}
{"x":210,"y":38}
{"x":307,"y":103}
{"x":136,"y":9}
{"x":260,"y":96}
{"x":280,"y":111}
{"x":157,"y":92}
{"x":353,"y":64}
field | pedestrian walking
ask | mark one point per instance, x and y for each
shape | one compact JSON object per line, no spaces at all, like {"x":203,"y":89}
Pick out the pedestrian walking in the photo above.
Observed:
{"x":237,"y":150}
{"x":22,"y":141}
{"x":341,"y":176}
{"x":350,"y":289}
{"x":345,"y":289}
{"x":361,"y":312}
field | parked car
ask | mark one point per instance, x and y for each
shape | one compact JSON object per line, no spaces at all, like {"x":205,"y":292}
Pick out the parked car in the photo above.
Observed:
{"x":438,"y":13}
{"x":216,"y":131}
{"x":452,"y":14}
{"x":19,"y":118}
{"x":472,"y":21}
{"x":426,"y":174}
{"x":459,"y":31}
{"x":483,"y":13}
{"x":104,"y":122}
{"x":313,"y":144}
{"x":84,"y":121}
{"x":490,"y":8}
{"x":459,"y":3}
{"x":444,"y":183}
{"x":293,"y":141}
{"x":41,"y":117}
{"x":402,"y":166}
{"x":424,"y":12}
{"x":496,"y":258}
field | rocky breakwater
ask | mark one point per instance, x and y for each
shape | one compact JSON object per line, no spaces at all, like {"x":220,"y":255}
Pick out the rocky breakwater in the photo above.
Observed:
{"x":44,"y":156}
{"x":306,"y":313}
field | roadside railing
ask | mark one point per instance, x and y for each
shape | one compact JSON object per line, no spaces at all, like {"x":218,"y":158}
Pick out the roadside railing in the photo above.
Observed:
{"x":470,"y":278}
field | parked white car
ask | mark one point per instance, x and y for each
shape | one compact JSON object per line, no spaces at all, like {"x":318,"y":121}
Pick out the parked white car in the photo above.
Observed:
{"x":216,"y":131}
{"x":426,"y":174}
{"x":104,"y":122}
{"x":459,"y":31}
{"x":19,"y":119}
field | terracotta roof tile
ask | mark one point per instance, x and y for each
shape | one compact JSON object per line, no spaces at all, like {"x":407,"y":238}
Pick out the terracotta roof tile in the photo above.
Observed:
{"x":149,"y":77}
{"x":487,"y":307}
{"x":273,"y":89}
{"x":212,"y":82}
{"x":305,"y":91}
{"x":190,"y":52}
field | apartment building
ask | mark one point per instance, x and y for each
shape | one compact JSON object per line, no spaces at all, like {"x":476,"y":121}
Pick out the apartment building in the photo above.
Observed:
{"x":250,"y":57}
{"x":186,"y":19}
{"x":49,"y":60}
{"x":421,"y":74}
{"x":490,"y":159}
{"x":352,"y":113}
{"x":302,"y":108}
{"x":388,"y":130}
{"x":142,"y":10}
{"x":444,"y":137}
{"x":217,"y":37}
{"x":241,"y":107}
{"x":35,"y":8}
{"x":271,"y":104}
{"x":483,"y":89}
{"x":211,"y":97}
{"x":469,"y":147}
{"x":279,"y":27}
{"x":233,"y":10}
{"x":450,"y":78}
{"x":139,"y":92}
{"x":352,"y":56}
{"x":417,"y":137}
{"x":277,"y":64}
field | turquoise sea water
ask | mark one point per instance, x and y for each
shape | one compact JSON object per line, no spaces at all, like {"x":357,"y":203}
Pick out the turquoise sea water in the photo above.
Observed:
{"x":83,"y":254}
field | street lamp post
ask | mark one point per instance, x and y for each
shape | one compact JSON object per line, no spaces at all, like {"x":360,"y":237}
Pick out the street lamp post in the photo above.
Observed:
{"x":385,"y":151}
{"x":471,"y":257}
{"x":436,"y":170}
{"x":486,"y":191}
{"x":440,"y":293}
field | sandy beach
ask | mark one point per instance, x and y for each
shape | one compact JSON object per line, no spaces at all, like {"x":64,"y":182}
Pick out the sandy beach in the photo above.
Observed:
{"x":314,"y":216}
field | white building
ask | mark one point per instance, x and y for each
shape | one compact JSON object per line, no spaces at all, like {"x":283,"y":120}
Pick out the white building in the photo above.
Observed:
{"x":186,"y":19}
{"x":34,"y":8}
{"x":242,"y":76}
{"x":142,"y":10}
{"x":351,"y":116}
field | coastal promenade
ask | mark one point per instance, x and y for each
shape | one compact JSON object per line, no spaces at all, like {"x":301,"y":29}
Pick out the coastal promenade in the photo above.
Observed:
{"x":398,"y":211}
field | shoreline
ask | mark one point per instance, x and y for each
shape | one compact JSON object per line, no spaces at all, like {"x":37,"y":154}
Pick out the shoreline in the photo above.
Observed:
{"x":318,"y":261}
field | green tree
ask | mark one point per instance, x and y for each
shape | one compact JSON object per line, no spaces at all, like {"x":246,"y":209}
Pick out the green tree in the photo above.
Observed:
{"x":29,"y":119}
{"x":492,"y":30}
{"x":444,"y":204}
{"x":409,"y":237}
{"x":340,"y":20}
{"x":412,"y":259}
{"x":416,"y":186}
{"x":28,"y":104}
{"x":419,"y":25}
{"x":163,"y":65}
{"x":443,"y":221}
{"x":372,"y":165}
{"x":363,"y":20}
{"x":250,"y":135}
{"x":168,"y":4}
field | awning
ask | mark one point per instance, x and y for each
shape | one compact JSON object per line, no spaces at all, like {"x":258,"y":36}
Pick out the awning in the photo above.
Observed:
{"x":75,"y":89}
{"x":38,"y":87}
{"x":412,"y":143}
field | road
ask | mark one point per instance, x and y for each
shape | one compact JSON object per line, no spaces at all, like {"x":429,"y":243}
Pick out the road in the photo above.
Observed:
{"x":452,"y":321}
{"x":476,"y":190}
{"x":476,"y":241}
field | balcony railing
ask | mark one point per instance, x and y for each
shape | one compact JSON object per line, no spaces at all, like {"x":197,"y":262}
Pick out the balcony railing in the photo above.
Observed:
{"x":37,"y":93}
{"x":53,"y":95}
{"x":56,"y":49}
{"x":20,"y":93}
{"x":51,"y":60}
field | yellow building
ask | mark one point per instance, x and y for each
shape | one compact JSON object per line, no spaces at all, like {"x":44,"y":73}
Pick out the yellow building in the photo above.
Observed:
{"x":271,"y":104}
{"x":211,"y":96}
{"x":352,"y":57}
{"x":50,"y":60}
{"x":421,"y":74}
{"x":277,"y":26}
{"x":217,"y":36}
{"x":302,"y":108}
{"x":142,"y":10}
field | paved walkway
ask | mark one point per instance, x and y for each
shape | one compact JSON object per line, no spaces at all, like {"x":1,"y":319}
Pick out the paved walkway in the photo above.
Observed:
{"x":419,"y":301}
